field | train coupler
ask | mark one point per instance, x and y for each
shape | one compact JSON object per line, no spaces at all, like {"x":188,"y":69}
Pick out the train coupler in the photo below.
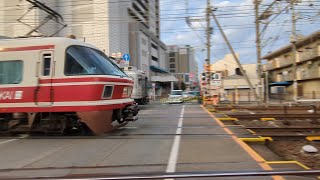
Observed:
{"x":131,"y":112}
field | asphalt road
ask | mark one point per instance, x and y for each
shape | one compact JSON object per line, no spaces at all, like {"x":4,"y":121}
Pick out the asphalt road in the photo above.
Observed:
{"x":166,"y":138}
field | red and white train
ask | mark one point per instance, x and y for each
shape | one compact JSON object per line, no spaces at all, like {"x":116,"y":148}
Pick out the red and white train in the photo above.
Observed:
{"x":59,"y":85}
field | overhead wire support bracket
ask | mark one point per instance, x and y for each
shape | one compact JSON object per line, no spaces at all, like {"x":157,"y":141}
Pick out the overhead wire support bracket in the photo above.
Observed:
{"x":52,"y":15}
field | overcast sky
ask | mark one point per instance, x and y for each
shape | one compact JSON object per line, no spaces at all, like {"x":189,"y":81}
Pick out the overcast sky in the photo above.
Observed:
{"x":237,"y":18}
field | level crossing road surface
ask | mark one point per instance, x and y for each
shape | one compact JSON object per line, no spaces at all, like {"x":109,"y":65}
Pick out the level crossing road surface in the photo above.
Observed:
{"x":166,"y":138}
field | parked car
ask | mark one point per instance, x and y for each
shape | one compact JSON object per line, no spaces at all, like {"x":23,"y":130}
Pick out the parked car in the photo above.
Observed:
{"x":185,"y":94}
{"x":176,"y":96}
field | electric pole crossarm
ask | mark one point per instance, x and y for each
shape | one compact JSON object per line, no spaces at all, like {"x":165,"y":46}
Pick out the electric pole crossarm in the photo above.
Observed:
{"x":235,"y":56}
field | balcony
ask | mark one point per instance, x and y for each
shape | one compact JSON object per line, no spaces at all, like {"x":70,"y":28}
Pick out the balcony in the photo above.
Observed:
{"x":277,"y":63}
{"x":284,"y":62}
{"x":268,"y":66}
{"x":282,"y":78}
{"x":312,"y":73}
{"x":308,"y":54}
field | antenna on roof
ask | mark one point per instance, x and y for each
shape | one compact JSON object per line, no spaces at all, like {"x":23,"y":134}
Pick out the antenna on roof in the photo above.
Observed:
{"x":52,"y":15}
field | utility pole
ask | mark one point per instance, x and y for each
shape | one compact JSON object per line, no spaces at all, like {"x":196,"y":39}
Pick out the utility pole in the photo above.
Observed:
{"x":235,"y":56}
{"x":258,"y":43}
{"x":294,"y":50}
{"x":209,"y":31}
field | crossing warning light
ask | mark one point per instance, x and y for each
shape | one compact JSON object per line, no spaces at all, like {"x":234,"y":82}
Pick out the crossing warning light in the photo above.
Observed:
{"x":203,"y":76}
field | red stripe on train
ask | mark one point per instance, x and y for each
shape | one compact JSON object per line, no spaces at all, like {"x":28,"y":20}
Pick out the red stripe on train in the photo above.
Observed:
{"x":65,"y":108}
{"x":90,"y":79}
{"x":60,"y":93}
{"x":27,"y":48}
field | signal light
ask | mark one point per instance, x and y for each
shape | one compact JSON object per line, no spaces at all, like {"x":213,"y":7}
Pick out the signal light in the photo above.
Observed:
{"x":203,"y":76}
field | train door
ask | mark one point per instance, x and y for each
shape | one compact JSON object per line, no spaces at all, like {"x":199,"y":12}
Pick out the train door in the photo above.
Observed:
{"x":45,"y":72}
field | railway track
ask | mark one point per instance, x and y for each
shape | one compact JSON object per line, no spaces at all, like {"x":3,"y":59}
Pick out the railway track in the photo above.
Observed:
{"x":263,"y":108}
{"x":286,"y":132}
{"x":277,"y":116}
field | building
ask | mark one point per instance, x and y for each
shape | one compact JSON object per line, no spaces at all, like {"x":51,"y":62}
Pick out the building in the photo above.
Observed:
{"x":116,"y":27}
{"x":279,"y":67}
{"x":230,"y":80}
{"x":182,"y":63}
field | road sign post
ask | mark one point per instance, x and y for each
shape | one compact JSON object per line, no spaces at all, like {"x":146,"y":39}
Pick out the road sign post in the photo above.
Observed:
{"x":154,"y":91}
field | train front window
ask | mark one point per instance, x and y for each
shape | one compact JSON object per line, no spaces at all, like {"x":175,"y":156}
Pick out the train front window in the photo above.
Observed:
{"x":87,"y":61}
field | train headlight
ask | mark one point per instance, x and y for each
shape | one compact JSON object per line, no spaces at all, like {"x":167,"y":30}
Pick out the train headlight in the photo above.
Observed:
{"x":127,"y":92}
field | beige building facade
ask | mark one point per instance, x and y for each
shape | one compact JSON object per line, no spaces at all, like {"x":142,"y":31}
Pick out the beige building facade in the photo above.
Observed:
{"x":279,"y":67}
{"x":232,"y":80}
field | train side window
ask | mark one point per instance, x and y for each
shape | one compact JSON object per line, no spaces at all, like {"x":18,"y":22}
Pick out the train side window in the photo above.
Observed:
{"x":46,"y":64}
{"x":11,"y":72}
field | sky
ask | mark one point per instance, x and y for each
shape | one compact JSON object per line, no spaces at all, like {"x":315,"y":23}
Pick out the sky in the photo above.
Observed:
{"x":237,"y":19}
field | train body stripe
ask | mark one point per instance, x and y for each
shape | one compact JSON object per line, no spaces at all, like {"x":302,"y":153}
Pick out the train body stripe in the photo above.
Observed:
{"x":85,"y":79}
{"x":27,"y":48}
{"x":69,"y":103}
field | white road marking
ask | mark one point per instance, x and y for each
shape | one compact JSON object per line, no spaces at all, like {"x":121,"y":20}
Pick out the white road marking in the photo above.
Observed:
{"x":11,"y":140}
{"x":4,"y":142}
{"x":172,"y":162}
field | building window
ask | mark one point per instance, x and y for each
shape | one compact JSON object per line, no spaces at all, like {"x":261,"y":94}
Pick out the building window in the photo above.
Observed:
{"x":144,"y":41}
{"x":172,"y":66}
{"x":11,"y":72}
{"x":144,"y":53}
{"x":154,"y":46}
{"x":154,"y":58}
{"x":172,"y":60}
{"x":172,"y":70}
{"x":238,"y":72}
{"x":172,"y":54}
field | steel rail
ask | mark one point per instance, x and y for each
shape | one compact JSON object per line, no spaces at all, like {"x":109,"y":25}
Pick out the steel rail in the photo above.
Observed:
{"x":123,"y":135}
{"x":122,"y":166}
{"x":287,"y":135}
{"x":284,"y":129}
{"x":291,"y":116}
{"x":175,"y":175}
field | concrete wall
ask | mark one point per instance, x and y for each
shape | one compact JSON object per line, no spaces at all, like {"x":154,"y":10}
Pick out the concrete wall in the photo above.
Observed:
{"x":163,"y":58}
{"x":183,"y":60}
{"x":12,"y":10}
{"x":309,"y":87}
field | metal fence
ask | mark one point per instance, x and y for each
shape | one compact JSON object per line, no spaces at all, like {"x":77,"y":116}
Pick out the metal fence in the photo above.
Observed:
{"x":249,"y":98}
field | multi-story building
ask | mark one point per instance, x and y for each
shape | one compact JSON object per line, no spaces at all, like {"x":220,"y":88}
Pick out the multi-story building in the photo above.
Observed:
{"x":116,"y":27}
{"x":182,"y":62}
{"x":281,"y":74}
{"x":231,"y":80}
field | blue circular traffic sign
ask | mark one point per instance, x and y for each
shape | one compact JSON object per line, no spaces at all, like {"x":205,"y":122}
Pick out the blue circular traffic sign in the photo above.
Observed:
{"x":126,"y":57}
